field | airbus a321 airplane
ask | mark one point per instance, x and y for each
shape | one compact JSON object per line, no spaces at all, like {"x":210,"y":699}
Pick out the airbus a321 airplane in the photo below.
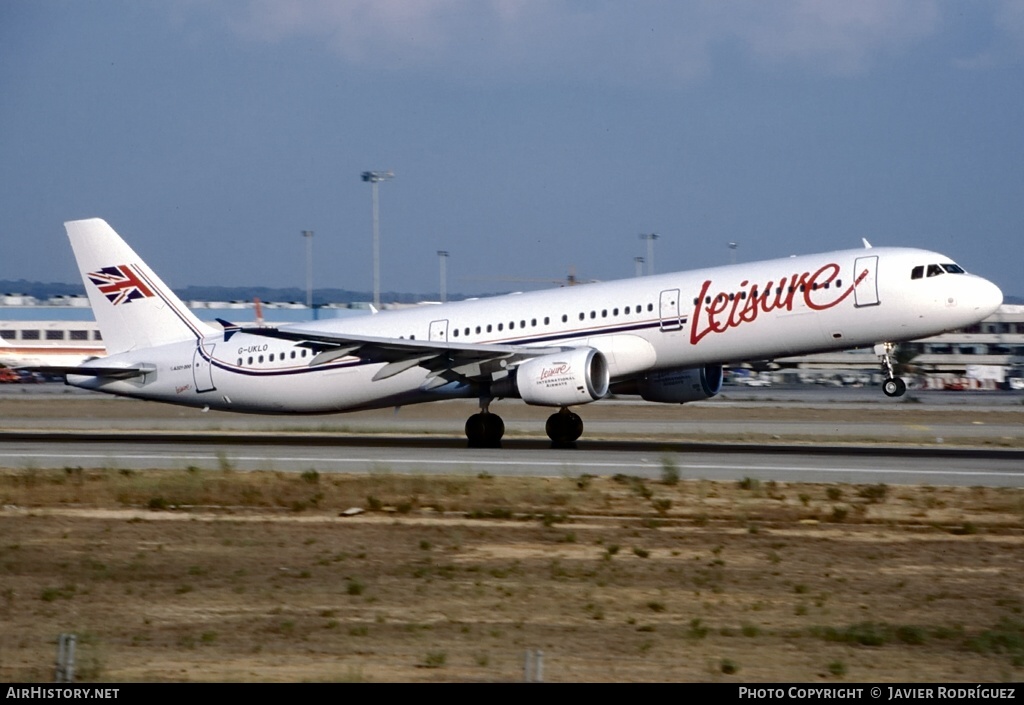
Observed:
{"x":663,"y":338}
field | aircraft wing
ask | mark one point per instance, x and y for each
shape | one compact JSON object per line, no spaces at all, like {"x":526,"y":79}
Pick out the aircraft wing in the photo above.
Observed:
{"x":444,"y":359}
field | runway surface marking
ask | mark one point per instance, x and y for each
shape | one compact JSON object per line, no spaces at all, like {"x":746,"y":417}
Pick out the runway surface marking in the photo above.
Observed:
{"x":644,"y":465}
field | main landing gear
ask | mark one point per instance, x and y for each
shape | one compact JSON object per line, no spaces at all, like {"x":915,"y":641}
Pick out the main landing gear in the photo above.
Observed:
{"x":484,"y":429}
{"x":563,"y":428}
{"x":893,"y":386}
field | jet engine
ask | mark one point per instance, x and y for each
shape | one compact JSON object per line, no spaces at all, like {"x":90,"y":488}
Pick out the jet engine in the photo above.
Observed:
{"x":677,"y":386}
{"x":577,"y":376}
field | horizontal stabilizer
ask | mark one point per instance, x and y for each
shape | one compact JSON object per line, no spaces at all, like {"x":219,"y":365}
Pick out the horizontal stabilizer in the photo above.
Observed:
{"x":89,"y":371}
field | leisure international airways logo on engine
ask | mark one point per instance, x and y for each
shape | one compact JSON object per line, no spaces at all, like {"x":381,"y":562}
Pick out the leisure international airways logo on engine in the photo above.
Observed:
{"x":120,"y":284}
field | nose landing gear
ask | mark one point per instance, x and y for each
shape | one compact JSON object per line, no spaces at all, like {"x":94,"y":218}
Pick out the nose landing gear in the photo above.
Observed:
{"x":893,"y":386}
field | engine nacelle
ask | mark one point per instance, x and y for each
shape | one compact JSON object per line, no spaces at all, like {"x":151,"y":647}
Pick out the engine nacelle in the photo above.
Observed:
{"x":678,"y":386}
{"x":578,"y":376}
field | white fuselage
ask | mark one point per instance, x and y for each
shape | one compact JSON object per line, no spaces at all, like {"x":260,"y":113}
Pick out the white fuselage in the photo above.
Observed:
{"x":721,"y":315}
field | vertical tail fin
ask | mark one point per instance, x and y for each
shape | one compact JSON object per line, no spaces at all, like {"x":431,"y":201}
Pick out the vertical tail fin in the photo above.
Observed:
{"x":133,"y":307}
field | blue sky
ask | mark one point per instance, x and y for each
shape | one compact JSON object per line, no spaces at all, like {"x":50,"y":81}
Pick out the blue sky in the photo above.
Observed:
{"x":526,"y":136}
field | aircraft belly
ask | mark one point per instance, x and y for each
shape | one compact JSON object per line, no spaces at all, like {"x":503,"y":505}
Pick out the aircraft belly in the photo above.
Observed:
{"x":313,"y":391}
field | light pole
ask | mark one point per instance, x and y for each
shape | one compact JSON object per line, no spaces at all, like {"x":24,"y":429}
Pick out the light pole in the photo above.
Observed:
{"x":639,"y":262}
{"x":374,"y":178}
{"x":308,"y":235}
{"x":650,"y":237}
{"x":442,"y":257}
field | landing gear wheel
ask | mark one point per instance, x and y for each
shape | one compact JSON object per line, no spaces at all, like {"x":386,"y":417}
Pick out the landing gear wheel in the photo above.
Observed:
{"x":894,"y":387}
{"x":484,"y":430}
{"x":564,"y":428}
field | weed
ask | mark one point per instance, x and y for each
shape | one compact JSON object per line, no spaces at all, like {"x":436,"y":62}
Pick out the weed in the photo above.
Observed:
{"x":751,"y":484}
{"x":435,"y":659}
{"x":224,"y":462}
{"x":669,"y":471}
{"x":729,"y":667}
{"x":310,"y":476}
{"x":61,"y":593}
{"x":697,"y":629}
{"x":354,"y":587}
{"x":641,"y":552}
{"x":833,"y":494}
{"x":837,"y":669}
{"x":874,"y":494}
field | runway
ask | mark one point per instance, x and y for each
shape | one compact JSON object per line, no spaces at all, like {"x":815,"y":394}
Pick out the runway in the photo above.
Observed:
{"x":406,"y":455}
{"x":799,"y":436}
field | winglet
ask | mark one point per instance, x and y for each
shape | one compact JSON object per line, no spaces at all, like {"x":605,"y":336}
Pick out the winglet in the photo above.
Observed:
{"x":867,"y":245}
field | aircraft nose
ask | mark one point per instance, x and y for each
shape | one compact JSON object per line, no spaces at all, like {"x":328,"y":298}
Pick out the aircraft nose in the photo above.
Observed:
{"x":988,"y":297}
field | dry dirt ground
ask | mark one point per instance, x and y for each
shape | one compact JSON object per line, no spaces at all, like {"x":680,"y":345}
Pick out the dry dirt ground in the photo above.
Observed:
{"x":227,"y":576}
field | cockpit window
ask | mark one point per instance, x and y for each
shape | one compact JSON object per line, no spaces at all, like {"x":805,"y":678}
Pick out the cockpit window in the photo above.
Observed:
{"x":954,"y":268}
{"x":934,"y":270}
{"x":917,"y":272}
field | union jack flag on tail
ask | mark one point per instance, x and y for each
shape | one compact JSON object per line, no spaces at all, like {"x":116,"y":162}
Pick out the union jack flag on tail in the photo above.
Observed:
{"x":120,"y":284}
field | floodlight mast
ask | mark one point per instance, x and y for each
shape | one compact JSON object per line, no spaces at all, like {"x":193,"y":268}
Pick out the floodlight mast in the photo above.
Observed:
{"x":650,"y":237}
{"x":308,"y":235}
{"x":374,"y":178}
{"x":442,"y":256}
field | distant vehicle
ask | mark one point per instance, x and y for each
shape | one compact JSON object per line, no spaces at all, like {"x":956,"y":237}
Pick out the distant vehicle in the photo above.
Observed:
{"x":664,"y":338}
